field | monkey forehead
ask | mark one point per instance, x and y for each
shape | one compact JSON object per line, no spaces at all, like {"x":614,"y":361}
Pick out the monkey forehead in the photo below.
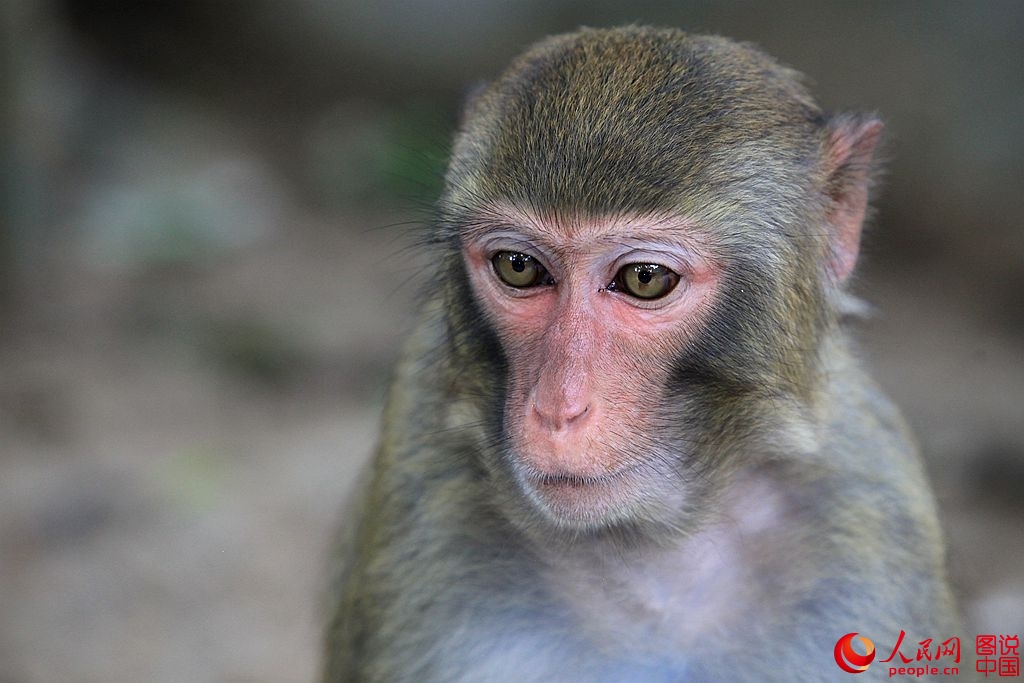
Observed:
{"x":634,"y":118}
{"x":562,"y":231}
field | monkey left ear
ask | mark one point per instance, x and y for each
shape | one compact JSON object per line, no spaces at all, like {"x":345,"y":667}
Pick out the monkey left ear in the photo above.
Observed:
{"x":849,"y":148}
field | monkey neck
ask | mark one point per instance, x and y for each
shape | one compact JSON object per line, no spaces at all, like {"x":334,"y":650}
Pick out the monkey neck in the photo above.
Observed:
{"x":712,"y":575}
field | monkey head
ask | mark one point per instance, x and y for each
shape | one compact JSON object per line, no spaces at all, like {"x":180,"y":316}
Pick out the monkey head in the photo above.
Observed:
{"x":650,"y":233}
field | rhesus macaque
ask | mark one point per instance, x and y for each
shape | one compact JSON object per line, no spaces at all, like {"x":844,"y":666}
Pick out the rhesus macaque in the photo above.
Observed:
{"x":629,"y":441}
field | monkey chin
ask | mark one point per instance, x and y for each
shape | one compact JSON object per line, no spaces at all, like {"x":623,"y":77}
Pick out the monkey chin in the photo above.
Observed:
{"x":583,"y":503}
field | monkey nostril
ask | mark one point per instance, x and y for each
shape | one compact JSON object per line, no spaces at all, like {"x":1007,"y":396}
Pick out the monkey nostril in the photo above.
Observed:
{"x":561,"y":417}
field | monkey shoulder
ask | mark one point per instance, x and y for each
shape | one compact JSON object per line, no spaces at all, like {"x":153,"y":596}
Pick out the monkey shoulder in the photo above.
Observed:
{"x":872,"y":513}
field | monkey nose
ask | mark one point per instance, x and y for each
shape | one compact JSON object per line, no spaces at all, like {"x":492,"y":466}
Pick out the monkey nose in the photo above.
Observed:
{"x":561,"y":414}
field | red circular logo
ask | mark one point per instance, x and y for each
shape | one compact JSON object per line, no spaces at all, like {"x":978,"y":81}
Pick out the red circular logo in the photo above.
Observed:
{"x":850,"y":661}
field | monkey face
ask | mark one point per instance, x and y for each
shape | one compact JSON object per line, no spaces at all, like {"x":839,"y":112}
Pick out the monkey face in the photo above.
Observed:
{"x":591,"y":314}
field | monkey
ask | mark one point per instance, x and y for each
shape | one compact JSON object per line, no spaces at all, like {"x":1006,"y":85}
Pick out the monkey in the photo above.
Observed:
{"x":630,"y":438}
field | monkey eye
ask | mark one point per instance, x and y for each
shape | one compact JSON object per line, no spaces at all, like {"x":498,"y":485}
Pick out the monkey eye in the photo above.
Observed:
{"x":520,"y":270}
{"x":644,"y":280}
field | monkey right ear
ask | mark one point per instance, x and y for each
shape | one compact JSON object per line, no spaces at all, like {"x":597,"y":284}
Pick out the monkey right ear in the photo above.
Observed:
{"x":849,"y":148}
{"x":469,"y":100}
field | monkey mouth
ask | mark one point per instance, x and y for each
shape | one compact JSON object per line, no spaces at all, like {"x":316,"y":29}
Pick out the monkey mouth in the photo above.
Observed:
{"x":577,"y":498}
{"x":573,"y":480}
{"x":570,"y":481}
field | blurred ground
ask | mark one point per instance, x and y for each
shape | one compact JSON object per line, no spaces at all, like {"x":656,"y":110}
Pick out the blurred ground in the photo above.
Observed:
{"x":204,"y":281}
{"x":166,"y":493}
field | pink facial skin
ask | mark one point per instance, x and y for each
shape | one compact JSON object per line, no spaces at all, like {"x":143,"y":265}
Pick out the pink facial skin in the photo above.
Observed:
{"x":588,"y":364}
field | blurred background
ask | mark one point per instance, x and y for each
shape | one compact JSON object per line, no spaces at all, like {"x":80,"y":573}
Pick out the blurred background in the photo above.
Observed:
{"x":205,"y":272}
